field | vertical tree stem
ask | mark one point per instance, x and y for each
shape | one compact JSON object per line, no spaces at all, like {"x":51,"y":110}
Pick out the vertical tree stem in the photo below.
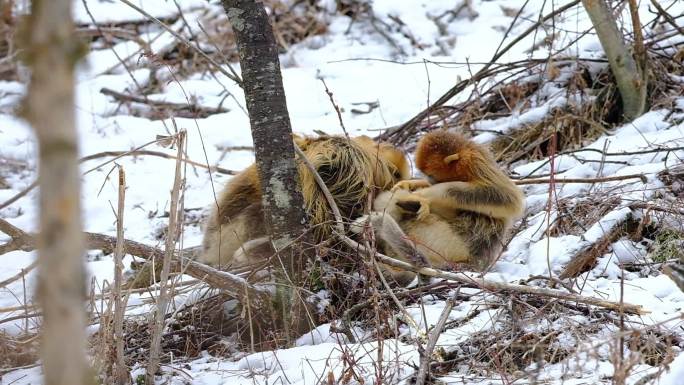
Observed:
{"x":169,"y":245}
{"x":52,"y":53}
{"x":273,"y":148}
{"x":121,"y":375}
{"x":627,"y":73}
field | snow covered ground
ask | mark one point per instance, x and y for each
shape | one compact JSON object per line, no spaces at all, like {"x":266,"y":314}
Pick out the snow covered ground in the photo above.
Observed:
{"x":359,"y":65}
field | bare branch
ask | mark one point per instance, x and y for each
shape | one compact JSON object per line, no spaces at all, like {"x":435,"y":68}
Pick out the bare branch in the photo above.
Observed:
{"x":183,"y":110}
{"x":667,"y":17}
{"x":401,"y":133}
{"x":232,"y":75}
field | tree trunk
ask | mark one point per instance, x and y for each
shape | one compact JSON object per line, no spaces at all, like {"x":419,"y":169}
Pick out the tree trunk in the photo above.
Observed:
{"x":273,"y":148}
{"x":52,"y":52}
{"x":630,"y":78}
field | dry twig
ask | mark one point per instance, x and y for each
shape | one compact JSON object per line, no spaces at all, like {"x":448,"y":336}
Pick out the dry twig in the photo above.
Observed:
{"x":426,"y":355}
{"x":121,"y":375}
{"x":403,"y":132}
{"x":232,"y":75}
{"x":183,"y":110}
{"x":169,"y":246}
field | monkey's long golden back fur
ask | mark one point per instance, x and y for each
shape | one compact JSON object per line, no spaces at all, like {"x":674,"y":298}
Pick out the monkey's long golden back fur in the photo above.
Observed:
{"x":351,"y":171}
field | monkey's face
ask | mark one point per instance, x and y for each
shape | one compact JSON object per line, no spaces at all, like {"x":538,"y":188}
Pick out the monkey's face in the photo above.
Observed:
{"x":445,"y":157}
{"x":392,"y":156}
{"x":397,"y":161}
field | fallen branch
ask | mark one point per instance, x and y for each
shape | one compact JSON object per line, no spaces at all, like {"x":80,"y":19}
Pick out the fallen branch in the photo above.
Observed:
{"x":585,"y":259}
{"x":20,"y":317}
{"x":604,"y":154}
{"x":118,"y":154}
{"x":234,"y":148}
{"x":183,"y":110}
{"x":18,"y":276}
{"x":503,"y":287}
{"x":653,"y":207}
{"x":581,"y":180}
{"x":230,"y":283}
{"x":239,"y":287}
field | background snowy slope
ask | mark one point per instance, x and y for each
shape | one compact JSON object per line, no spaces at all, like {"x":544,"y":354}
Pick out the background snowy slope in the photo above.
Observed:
{"x":400,"y":72}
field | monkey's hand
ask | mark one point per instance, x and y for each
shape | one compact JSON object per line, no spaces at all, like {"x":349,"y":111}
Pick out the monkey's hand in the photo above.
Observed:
{"x":415,"y":204}
{"x":411,"y":184}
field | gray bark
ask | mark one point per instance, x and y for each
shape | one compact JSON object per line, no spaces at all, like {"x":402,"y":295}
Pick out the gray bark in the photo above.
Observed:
{"x":630,"y":78}
{"x":49,"y":107}
{"x":269,"y":119}
{"x":273,"y":148}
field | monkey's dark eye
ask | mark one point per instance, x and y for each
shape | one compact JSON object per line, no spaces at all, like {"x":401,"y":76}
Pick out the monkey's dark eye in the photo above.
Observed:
{"x":397,"y":175}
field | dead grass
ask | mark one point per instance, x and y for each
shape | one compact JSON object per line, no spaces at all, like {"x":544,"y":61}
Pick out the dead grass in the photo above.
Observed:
{"x":17,"y":351}
{"x":576,"y":215}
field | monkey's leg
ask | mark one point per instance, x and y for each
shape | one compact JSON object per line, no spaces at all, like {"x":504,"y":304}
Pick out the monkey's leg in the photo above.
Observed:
{"x":254,"y":250}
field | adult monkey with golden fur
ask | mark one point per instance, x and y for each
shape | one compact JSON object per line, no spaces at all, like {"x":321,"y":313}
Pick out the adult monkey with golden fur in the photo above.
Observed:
{"x":235,"y":232}
{"x":462,"y":213}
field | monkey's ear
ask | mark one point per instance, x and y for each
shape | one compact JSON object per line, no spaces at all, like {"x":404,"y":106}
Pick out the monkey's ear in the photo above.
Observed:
{"x":451,"y":158}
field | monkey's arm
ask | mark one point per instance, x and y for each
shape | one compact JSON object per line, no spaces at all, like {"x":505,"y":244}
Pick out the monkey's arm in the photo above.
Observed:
{"x":388,"y":230}
{"x":498,"y":201}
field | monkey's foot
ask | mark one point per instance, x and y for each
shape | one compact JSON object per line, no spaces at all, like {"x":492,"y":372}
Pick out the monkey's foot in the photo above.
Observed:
{"x":411,"y":184}
{"x":416,"y":205}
